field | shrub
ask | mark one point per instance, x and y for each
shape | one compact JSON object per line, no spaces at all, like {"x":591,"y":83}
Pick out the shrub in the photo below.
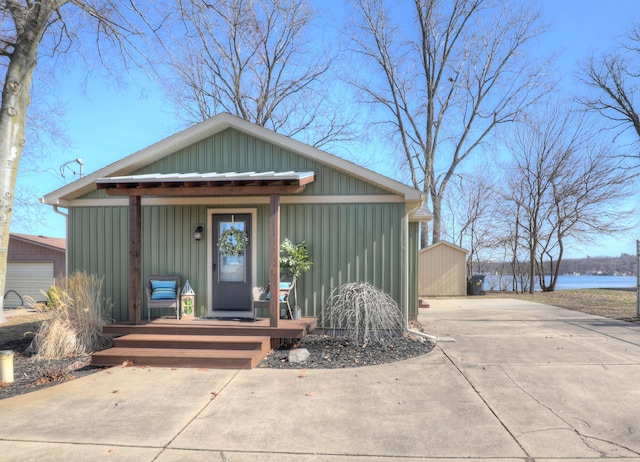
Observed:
{"x":78,"y":312}
{"x":54,"y":296}
{"x":362,"y":312}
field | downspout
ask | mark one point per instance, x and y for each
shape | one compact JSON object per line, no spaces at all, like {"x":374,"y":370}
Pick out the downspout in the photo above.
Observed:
{"x":66,"y":235}
{"x":405,"y":288}
{"x":55,"y":209}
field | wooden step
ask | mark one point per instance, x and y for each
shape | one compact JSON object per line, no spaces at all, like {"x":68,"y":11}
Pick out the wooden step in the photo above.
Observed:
{"x":178,"y":357}
{"x":287,"y":329}
{"x":212,"y":342}
{"x":197,"y":343}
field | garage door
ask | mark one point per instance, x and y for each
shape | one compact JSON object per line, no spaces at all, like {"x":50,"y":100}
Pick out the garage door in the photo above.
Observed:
{"x":27,"y":279}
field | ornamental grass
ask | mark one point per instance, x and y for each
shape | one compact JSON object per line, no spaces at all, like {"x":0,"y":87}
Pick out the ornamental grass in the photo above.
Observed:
{"x":77,"y":312}
{"x":362,"y":312}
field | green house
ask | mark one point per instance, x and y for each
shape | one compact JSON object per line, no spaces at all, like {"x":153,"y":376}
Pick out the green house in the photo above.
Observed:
{"x":161,"y":211}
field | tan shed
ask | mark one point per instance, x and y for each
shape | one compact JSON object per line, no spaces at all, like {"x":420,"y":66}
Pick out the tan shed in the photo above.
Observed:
{"x":442,"y":270}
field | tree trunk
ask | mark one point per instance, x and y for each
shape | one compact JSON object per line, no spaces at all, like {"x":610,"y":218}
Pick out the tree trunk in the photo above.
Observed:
{"x":556,"y":273}
{"x":424,"y":235}
{"x":437,"y":218}
{"x":13,"y":117}
{"x":532,"y":269}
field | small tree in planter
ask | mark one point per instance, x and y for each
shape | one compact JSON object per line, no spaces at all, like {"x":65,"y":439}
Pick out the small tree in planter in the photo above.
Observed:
{"x":295,"y":260}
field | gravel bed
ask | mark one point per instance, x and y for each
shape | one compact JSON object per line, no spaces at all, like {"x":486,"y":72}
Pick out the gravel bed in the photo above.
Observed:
{"x":327,"y":352}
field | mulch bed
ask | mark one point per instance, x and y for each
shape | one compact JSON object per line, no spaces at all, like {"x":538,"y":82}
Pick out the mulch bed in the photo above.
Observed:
{"x":31,"y":373}
{"x":326,"y":352}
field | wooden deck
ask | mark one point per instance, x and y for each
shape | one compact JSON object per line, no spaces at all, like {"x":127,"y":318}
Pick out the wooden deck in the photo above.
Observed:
{"x":201,"y":343}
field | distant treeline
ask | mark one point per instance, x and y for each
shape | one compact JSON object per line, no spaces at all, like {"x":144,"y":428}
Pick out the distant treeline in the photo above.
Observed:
{"x":624,"y":265}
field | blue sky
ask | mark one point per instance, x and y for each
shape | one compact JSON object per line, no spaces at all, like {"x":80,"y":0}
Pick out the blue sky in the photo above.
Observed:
{"x":105,"y":123}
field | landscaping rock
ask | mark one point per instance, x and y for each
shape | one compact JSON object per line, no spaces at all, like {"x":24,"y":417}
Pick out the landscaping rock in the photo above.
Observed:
{"x":298,"y":355}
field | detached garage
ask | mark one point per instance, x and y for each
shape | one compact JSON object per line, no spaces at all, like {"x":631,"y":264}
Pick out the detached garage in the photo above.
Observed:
{"x":33,"y":262}
{"x":442,"y":270}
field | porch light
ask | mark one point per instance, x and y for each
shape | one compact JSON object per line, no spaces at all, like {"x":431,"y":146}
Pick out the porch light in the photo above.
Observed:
{"x":197,"y":234}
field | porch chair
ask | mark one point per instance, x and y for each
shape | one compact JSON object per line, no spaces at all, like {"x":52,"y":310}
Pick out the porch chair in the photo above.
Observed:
{"x":163,"y":292}
{"x":287,"y":284}
{"x":258,"y":301}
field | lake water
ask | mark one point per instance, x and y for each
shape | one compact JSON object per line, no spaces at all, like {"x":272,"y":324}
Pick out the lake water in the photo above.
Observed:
{"x":596,"y":282}
{"x":585,"y":282}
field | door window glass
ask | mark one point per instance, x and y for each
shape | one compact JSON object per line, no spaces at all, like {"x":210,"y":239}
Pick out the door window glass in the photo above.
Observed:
{"x":232,"y":268}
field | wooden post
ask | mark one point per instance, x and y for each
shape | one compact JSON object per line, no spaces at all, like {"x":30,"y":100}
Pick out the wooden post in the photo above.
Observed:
{"x":274,"y":260}
{"x":135,"y":238}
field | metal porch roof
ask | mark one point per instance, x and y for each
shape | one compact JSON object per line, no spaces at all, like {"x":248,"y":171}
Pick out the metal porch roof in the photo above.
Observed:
{"x":213,"y":177}
{"x":212,"y":182}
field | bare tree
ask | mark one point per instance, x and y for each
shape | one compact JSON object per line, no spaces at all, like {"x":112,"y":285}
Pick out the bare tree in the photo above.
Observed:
{"x":27,"y":212}
{"x":615,"y":78}
{"x":469,"y":216}
{"x":255,"y":59}
{"x":31,"y":30}
{"x":565,"y":185}
{"x":445,"y":79}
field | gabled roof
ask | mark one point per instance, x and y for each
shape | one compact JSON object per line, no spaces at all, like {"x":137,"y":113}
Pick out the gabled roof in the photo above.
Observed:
{"x":206,"y":129}
{"x":54,"y":243}
{"x":447,"y":244}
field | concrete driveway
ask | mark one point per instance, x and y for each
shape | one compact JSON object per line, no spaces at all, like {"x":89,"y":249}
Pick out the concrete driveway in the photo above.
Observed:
{"x":523,"y":381}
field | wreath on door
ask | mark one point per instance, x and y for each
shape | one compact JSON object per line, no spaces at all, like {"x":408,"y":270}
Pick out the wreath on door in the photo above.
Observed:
{"x":233,"y":242}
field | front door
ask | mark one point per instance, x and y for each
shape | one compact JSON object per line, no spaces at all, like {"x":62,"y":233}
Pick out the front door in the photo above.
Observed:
{"x":231,"y":273}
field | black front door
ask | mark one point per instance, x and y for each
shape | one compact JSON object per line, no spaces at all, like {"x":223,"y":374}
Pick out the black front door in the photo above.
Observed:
{"x":231,"y":273}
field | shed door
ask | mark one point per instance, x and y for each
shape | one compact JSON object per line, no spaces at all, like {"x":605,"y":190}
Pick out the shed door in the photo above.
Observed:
{"x":27,"y":279}
{"x":231,"y":274}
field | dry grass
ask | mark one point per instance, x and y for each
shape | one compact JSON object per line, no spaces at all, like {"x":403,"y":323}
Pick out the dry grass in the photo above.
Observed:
{"x":614,"y":304}
{"x":77,"y":314}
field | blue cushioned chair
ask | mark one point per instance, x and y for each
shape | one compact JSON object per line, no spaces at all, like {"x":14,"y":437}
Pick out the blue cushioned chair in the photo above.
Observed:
{"x":163,"y":292}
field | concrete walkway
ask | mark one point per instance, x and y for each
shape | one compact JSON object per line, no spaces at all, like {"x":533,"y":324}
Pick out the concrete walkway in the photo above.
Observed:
{"x":522,"y":381}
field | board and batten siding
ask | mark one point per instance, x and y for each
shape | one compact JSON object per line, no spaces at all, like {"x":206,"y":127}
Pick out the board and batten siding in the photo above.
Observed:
{"x":414,"y":245}
{"x":442,"y":270}
{"x":168,"y":247}
{"x":234,"y":151}
{"x":251,"y":154}
{"x":353,"y":227}
{"x":98,"y":244}
{"x":348,"y":242}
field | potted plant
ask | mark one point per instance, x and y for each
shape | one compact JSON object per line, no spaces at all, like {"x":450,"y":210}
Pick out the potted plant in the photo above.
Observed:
{"x":295,"y":260}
